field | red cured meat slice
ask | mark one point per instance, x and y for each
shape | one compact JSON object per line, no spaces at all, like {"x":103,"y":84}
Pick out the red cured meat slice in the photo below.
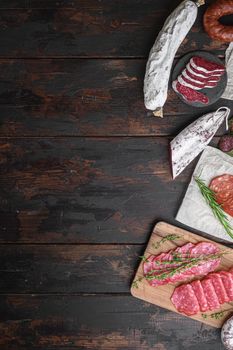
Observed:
{"x":210,"y":294}
{"x":227,"y":282}
{"x":212,"y":78}
{"x":201,"y":73}
{"x":189,"y":94}
{"x":219,"y":288}
{"x":199,"y":85}
{"x":204,"y":248}
{"x":206,"y":65}
{"x":184,"y":300}
{"x":184,"y":249}
{"x":223,"y":188}
{"x":199,"y":292}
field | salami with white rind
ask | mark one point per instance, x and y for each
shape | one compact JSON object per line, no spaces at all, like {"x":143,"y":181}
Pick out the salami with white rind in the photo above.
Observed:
{"x":194,"y":138}
{"x":162,"y":54}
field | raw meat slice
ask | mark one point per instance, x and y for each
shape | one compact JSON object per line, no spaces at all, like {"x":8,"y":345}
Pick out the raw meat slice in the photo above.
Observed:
{"x":200,"y":73}
{"x":223,"y":188}
{"x":195,"y":84}
{"x":199,"y":292}
{"x":189,"y":94}
{"x":210,"y":294}
{"x":227,"y":282}
{"x":206,"y":65}
{"x":194,"y":77}
{"x":185,"y":300}
{"x":219,"y":288}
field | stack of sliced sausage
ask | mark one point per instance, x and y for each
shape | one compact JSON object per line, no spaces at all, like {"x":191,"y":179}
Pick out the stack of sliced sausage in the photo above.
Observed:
{"x":205,"y":295}
{"x":198,"y":74}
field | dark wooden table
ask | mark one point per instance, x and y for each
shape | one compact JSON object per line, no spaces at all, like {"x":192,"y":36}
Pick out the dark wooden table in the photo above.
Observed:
{"x":85,"y":175}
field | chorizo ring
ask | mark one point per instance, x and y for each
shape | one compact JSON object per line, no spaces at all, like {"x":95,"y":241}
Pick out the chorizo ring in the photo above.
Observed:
{"x":213,"y":27}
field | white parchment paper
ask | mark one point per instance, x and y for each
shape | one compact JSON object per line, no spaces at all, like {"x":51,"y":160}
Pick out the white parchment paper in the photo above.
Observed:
{"x":194,"y":210}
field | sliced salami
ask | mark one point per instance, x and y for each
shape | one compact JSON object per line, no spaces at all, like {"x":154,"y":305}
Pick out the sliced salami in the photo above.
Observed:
{"x":200,"y":73}
{"x":210,"y":294}
{"x":199,"y":292}
{"x":227,"y":282}
{"x":219,"y":288}
{"x":223,"y":188}
{"x":189,"y":94}
{"x":185,"y":300}
{"x":212,"y":291}
{"x":206,"y":66}
{"x":196,"y":85}
{"x":166,"y":268}
{"x":198,"y":78}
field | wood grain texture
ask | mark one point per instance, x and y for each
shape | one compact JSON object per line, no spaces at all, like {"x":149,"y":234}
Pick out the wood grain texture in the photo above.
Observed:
{"x":68,"y":268}
{"x":161,"y":295}
{"x":90,"y":28}
{"x":81,"y":190}
{"x":98,"y":323}
{"x":84,"y":97}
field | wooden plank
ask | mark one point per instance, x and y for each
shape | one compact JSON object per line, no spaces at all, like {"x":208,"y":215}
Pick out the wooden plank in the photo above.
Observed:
{"x":161,"y":295}
{"x":120,"y":28}
{"x":68,"y":268}
{"x":84,"y":97}
{"x":98,"y":323}
{"x":86,"y":190}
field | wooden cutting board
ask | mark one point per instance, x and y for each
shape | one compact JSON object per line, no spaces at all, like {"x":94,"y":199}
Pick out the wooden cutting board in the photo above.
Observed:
{"x":161,"y":295}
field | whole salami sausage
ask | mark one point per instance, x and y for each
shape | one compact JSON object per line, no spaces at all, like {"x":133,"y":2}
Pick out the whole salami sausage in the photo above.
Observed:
{"x":162,"y":54}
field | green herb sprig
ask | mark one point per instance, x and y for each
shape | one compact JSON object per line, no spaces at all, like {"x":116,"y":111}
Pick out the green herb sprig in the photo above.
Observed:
{"x":216,"y":208}
{"x":216,"y":315}
{"x":171,"y":237}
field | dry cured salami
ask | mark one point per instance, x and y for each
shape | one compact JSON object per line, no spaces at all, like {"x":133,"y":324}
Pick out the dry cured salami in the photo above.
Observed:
{"x":185,"y":300}
{"x":223,"y":188}
{"x":219,"y":288}
{"x":169,"y":267}
{"x":210,"y":294}
{"x":212,"y":291}
{"x":199,"y":292}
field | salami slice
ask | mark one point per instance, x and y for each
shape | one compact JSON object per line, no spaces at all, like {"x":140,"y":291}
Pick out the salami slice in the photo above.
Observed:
{"x":219,"y":288}
{"x":199,"y":292}
{"x":223,"y":188}
{"x":227,"y":282}
{"x":210,"y":294}
{"x":185,"y":300}
{"x":190,"y":94}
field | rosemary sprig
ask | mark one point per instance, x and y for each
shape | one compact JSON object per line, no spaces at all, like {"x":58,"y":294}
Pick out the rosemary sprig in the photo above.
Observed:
{"x":171,"y":237}
{"x":216,"y":208}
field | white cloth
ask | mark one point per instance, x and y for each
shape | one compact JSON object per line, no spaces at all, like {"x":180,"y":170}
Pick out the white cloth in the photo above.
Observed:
{"x":228,"y":93}
{"x":194,"y":210}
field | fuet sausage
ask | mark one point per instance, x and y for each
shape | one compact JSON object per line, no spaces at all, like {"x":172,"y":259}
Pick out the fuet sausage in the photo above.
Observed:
{"x":162,"y":54}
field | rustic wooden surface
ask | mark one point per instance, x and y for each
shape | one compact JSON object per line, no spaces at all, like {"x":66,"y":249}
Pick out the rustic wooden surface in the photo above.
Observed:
{"x":85,"y":175}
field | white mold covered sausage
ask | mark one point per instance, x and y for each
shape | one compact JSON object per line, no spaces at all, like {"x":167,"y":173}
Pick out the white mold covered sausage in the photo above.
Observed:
{"x":162,"y":54}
